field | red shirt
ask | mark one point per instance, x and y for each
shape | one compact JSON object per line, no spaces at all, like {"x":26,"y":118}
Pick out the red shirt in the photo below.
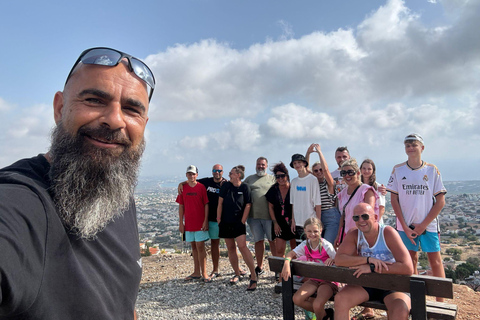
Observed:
{"x":194,"y":201}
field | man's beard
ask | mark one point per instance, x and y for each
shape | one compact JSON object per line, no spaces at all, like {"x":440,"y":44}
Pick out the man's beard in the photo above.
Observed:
{"x":261,"y":173}
{"x":91,"y":186}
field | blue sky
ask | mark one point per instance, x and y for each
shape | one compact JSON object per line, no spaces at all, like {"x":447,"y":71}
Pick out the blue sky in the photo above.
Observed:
{"x":240,"y":79}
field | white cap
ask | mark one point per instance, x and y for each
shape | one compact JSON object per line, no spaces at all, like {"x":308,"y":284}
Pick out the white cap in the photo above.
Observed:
{"x":414,"y":137}
{"x":192,"y":168}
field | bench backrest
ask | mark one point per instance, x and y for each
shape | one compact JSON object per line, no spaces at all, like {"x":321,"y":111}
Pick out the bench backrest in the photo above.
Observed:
{"x":434,"y":286}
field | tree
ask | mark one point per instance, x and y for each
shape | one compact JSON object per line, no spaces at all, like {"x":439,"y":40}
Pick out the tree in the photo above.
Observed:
{"x":474,"y":261}
{"x":450,"y":273}
{"x":453,"y":251}
{"x":457,"y":257}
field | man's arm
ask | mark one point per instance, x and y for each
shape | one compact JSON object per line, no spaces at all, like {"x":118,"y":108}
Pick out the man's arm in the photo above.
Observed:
{"x":181,"y":226}
{"x":395,"y":201}
{"x":205,"y":222}
{"x":219,"y":209}
{"x":347,"y":251}
{"x":434,"y":212}
{"x":246,"y":212}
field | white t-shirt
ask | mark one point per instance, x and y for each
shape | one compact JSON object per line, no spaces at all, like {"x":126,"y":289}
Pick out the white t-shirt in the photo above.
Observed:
{"x":416,"y":190}
{"x":338,"y":181}
{"x":304,"y":196}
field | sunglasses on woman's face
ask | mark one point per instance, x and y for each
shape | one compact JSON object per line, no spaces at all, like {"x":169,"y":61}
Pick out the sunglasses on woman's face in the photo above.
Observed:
{"x":280,"y":176}
{"x":350,"y":172}
{"x":364,"y":216}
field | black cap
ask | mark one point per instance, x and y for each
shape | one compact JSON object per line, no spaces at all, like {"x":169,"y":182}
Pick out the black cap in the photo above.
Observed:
{"x":298,"y":157}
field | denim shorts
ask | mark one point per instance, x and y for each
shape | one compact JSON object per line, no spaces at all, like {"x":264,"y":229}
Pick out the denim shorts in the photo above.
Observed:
{"x":260,"y":228}
{"x":429,"y":242}
{"x":196,"y":236}
{"x":330,"y":221}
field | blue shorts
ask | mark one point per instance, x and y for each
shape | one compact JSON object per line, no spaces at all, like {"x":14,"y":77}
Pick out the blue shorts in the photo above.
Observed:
{"x":260,"y":228}
{"x":429,"y":242}
{"x":213,"y":230}
{"x":196,"y":236}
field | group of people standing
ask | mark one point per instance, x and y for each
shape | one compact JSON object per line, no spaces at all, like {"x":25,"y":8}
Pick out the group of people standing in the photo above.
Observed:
{"x":315,"y":213}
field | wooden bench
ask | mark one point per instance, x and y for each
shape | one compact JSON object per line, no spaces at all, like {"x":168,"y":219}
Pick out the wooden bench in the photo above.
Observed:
{"x":418,"y":287}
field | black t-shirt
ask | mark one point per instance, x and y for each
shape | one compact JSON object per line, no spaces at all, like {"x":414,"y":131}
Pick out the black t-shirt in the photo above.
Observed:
{"x":274,"y":197}
{"x":234,"y":201}
{"x":49,"y":273}
{"x":213,"y":190}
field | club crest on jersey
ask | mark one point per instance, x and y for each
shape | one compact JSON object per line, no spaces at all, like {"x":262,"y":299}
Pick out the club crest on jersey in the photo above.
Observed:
{"x":425,"y":178}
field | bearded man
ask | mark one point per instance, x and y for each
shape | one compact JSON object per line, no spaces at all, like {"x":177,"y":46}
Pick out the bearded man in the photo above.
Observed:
{"x":68,"y":231}
{"x":259,"y":219}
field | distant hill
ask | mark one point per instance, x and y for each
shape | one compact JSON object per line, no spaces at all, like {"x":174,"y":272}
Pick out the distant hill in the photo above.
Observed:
{"x":459,"y":187}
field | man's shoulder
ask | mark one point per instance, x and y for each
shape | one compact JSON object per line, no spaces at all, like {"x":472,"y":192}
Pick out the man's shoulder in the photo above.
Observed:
{"x":32,"y":172}
{"x":399,"y":166}
{"x":432,"y":167}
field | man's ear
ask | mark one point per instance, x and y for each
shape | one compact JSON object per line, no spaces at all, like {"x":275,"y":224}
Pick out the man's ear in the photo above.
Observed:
{"x":58,"y":106}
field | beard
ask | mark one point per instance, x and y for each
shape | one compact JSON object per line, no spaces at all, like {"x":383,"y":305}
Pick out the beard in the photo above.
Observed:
{"x":261,"y":173}
{"x":92,"y":186}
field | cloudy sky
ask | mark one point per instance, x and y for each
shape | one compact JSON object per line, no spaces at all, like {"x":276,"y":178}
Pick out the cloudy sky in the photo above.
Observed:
{"x":242,"y":79}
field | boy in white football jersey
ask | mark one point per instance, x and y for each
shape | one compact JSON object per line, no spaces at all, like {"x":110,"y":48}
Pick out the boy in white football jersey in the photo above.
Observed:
{"x":418,"y":196}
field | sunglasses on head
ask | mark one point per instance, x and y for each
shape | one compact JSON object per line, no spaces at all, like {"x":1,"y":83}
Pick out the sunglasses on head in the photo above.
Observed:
{"x":216,"y":170}
{"x":110,"y":58}
{"x":364,"y":216}
{"x":280,"y":176}
{"x":350,"y":172}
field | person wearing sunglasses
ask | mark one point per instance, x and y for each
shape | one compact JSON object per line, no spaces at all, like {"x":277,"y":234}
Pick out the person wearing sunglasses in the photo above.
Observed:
{"x":68,"y":223}
{"x":213,"y":185}
{"x":418,"y":197}
{"x":371,"y":248}
{"x":355,"y":193}
{"x":330,"y":213}
{"x":233,"y":208}
{"x":280,"y":209}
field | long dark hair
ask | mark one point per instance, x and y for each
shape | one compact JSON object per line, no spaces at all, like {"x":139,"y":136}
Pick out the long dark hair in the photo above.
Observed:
{"x":373,"y":178}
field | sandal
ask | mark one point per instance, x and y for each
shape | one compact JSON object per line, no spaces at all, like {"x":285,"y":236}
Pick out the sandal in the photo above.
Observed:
{"x":361,"y":316}
{"x":214,"y":275}
{"x":207,"y":280}
{"x":252,"y":282}
{"x":192,"y":277}
{"x":243,"y":273}
{"x":235,"y":279}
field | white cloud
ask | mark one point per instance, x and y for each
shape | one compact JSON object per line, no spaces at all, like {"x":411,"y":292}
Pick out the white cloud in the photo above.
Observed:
{"x":239,"y":134}
{"x":296,"y":122}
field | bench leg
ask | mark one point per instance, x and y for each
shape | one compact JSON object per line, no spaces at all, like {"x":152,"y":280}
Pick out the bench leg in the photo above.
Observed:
{"x":287,"y":299}
{"x":419,"y":304}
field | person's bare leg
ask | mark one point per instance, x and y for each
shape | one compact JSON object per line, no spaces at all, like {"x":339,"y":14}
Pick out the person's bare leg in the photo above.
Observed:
{"x":414,"y":256}
{"x":232,"y":255}
{"x":349,"y":297}
{"x":259,"y":252}
{"x":273,"y":247}
{"x":196,"y":265}
{"x":324,"y":292}
{"x":302,"y":299}
{"x":398,"y":306}
{"x":247,"y":256}
{"x":215,"y":243}
{"x":280,"y":246}
{"x":202,"y":258}
{"x":436,"y":263}
{"x":293,"y":243}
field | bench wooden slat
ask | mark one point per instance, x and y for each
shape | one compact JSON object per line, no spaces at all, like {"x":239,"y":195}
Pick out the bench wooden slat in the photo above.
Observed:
{"x":417,"y":286}
{"x":434,"y":286}
{"x":435,"y":310}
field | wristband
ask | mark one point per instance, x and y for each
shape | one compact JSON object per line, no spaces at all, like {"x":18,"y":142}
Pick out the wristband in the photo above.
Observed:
{"x":368,"y":260}
{"x":289,"y":259}
{"x":372,"y":268}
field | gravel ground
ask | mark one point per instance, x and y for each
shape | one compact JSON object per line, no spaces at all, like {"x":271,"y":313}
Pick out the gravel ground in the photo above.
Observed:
{"x":165,"y":295}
